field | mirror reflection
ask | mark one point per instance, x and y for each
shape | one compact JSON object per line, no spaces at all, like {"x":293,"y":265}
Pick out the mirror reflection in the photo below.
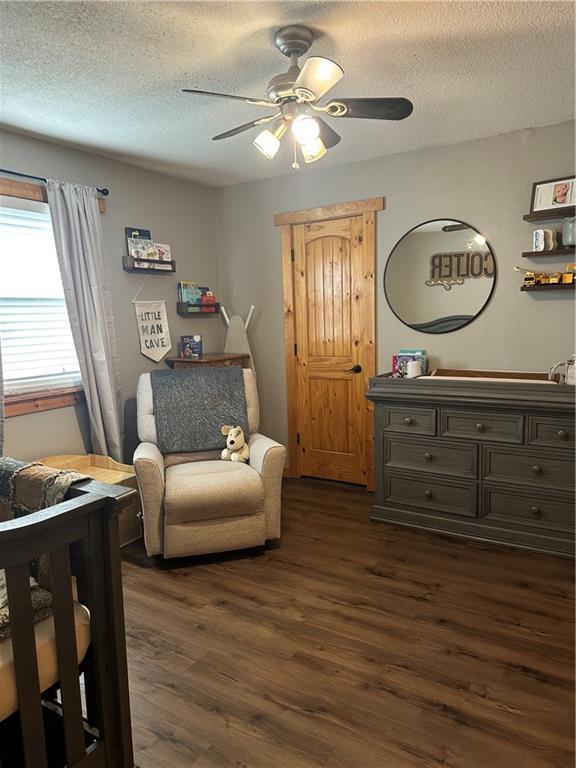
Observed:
{"x":440,"y":276}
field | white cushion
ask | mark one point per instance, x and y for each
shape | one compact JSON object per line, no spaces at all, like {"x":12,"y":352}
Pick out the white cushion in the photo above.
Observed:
{"x":205,"y":490}
{"x":46,"y":655}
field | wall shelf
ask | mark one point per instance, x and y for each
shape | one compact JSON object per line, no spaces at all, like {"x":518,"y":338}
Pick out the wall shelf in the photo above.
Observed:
{"x":549,"y":287}
{"x":564,"y":250}
{"x":129,"y":265}
{"x":545,"y":216}
{"x":197,"y":310}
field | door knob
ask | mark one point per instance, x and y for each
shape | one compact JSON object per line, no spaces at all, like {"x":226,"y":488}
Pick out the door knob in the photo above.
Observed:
{"x":355,"y":369}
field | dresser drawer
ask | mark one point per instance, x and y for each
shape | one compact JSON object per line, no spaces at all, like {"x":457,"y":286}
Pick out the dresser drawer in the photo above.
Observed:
{"x":408,"y":420}
{"x":550,"y":432}
{"x":527,"y":509}
{"x":533,"y":468}
{"x":489,"y":427}
{"x":430,"y":455}
{"x":427,"y":495}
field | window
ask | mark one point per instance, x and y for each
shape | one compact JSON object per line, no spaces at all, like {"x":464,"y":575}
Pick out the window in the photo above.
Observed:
{"x":38,"y":352}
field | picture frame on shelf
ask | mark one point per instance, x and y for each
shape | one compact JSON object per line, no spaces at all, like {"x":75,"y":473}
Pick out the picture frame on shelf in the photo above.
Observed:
{"x":553,"y":196}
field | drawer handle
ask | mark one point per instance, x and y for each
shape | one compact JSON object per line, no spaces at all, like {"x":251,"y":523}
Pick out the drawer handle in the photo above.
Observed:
{"x":428,"y":456}
{"x":480,"y":427}
{"x":537,"y":469}
{"x":536,"y":511}
{"x":562,"y":434}
{"x":428,"y":493}
{"x":408,"y":421}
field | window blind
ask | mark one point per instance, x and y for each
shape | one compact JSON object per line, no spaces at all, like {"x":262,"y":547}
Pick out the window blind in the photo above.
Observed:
{"x":37,"y":347}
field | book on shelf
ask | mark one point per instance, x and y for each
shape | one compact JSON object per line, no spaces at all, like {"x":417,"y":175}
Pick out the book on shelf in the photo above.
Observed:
{"x":136,"y":233}
{"x":140,"y":248}
{"x":163,"y":252}
{"x":194,"y":294}
{"x":190,"y":346}
{"x":186,"y":291}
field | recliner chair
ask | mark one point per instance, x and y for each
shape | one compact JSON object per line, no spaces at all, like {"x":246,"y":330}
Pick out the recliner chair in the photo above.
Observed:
{"x":195,"y":503}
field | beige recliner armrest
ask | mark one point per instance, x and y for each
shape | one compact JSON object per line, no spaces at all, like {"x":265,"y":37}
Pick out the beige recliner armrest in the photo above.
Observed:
{"x":149,"y":468}
{"x":267,"y":457}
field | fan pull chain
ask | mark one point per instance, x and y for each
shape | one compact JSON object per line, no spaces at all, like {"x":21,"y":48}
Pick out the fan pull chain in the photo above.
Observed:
{"x":295,"y":163}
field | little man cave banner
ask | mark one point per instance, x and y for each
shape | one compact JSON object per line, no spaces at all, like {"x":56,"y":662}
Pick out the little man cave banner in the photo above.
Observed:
{"x":153,"y":329}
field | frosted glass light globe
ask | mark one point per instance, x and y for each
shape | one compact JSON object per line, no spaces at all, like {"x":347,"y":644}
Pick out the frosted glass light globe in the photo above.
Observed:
{"x":305,"y":129}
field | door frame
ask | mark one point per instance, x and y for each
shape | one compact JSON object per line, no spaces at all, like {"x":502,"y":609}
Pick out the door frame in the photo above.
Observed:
{"x":367,"y":208}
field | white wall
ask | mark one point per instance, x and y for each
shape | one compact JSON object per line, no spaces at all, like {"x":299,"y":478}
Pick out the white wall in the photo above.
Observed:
{"x":486,"y":183}
{"x":177,"y":212}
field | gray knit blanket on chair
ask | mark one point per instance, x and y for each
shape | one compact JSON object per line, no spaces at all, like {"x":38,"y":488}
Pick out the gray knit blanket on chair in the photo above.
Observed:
{"x":191,"y":405}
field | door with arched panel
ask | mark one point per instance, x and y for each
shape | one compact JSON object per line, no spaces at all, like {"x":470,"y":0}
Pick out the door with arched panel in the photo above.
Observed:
{"x":333,"y":283}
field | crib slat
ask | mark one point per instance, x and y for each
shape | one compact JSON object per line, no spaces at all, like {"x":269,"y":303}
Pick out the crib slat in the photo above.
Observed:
{"x":26,"y":666}
{"x":67,"y":652}
{"x":102,"y":682}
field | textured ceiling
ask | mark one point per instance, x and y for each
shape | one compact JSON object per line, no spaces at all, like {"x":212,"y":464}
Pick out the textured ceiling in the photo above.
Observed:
{"x":107,"y":76}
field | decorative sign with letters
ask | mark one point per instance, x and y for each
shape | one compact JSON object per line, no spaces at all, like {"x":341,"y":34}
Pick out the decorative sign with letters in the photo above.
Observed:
{"x":153,"y":329}
{"x":448,"y":269}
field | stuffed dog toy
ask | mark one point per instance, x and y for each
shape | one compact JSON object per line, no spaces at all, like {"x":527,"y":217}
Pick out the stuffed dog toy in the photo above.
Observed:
{"x":236,"y":447}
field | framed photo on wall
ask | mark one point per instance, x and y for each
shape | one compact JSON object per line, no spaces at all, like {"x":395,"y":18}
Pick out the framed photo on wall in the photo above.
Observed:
{"x":553,"y":195}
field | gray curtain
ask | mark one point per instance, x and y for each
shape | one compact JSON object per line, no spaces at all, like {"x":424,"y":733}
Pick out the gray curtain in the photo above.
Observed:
{"x":79,"y":244}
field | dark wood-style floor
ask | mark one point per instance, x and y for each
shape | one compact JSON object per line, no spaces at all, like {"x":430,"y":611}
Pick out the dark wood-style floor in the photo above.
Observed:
{"x":353,"y":645}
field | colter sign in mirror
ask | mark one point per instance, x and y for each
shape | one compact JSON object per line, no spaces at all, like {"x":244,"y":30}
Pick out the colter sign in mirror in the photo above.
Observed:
{"x":440,"y":276}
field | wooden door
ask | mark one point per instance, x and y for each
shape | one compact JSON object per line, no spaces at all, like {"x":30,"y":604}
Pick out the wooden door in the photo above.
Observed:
{"x":333,"y":356}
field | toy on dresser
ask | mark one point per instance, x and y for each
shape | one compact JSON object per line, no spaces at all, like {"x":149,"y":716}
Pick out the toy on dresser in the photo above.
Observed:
{"x":409,"y":363}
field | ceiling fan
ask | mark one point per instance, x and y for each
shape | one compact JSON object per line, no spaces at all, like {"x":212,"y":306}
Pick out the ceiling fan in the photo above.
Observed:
{"x":294,"y":97}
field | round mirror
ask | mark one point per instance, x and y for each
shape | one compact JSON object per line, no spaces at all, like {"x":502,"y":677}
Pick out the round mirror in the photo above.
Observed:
{"x":440,"y":276}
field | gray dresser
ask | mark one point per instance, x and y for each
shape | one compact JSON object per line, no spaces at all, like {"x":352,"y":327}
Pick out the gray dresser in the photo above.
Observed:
{"x":482,"y":459}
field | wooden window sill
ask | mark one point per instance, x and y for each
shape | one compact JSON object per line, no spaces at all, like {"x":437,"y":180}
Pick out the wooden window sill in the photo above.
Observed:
{"x":47,"y":400}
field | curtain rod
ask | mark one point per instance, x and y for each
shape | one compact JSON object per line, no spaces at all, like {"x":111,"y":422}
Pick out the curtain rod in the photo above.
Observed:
{"x":104,"y":192}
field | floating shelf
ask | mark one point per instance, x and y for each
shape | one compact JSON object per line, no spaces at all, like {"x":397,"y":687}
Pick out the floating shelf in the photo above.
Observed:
{"x":564,"y":250}
{"x":549,"y":287}
{"x":129,"y":265}
{"x":194,"y":310}
{"x":565,"y":213}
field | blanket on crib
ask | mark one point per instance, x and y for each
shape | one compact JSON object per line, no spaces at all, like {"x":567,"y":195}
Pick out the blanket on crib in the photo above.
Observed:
{"x":26,"y":488}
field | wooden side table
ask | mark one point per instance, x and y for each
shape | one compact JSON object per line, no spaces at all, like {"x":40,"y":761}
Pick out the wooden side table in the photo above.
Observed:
{"x":210,"y":360}
{"x":106,"y":470}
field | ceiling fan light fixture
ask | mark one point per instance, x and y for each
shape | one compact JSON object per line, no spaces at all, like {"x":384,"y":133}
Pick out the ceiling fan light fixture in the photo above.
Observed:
{"x":313,"y":151}
{"x":268,"y":141}
{"x":317,"y":77}
{"x":305,"y":129}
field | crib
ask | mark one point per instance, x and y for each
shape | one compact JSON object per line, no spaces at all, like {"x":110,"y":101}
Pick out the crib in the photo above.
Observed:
{"x":81,"y":719}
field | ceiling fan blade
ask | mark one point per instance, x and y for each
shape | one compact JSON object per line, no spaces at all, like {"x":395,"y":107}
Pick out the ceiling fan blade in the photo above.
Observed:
{"x":245,"y":127}
{"x":372,"y":109}
{"x":247,"y":99}
{"x":318,"y":75}
{"x":328,"y":135}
